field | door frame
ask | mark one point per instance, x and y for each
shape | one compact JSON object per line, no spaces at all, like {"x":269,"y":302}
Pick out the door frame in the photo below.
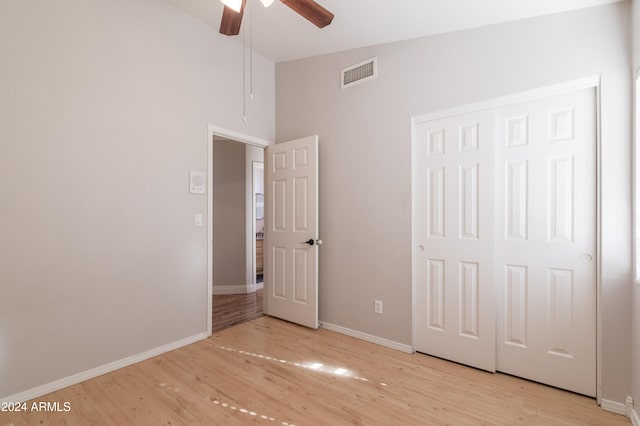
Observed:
{"x":570,"y":86}
{"x":255,"y":166}
{"x":212,"y":131}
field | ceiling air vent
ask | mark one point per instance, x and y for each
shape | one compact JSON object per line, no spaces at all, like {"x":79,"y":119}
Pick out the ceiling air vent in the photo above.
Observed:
{"x":359,"y":73}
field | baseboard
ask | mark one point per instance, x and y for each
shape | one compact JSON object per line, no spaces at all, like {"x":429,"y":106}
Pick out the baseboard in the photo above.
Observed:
{"x":635,"y":419}
{"x":613,"y":407}
{"x":98,"y":371}
{"x":234,"y":289}
{"x":367,"y":337}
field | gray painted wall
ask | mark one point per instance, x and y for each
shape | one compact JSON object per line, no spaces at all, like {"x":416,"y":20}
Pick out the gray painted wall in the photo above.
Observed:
{"x":229,"y":207}
{"x":104,"y":109}
{"x":365,"y":155}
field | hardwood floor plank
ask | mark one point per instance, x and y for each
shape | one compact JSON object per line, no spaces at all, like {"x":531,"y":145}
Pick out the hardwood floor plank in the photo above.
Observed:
{"x":271,"y":372}
{"x":234,"y":309}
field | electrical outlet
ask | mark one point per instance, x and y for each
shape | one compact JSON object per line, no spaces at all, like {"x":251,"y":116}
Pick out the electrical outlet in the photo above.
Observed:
{"x":377,"y":306}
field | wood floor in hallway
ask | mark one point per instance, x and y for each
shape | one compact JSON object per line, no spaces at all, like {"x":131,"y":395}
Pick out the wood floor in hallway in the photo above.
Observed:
{"x":270,"y":372}
{"x":234,"y":309}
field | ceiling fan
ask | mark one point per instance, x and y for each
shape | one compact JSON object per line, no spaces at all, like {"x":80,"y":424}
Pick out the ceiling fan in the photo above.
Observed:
{"x":308,"y":9}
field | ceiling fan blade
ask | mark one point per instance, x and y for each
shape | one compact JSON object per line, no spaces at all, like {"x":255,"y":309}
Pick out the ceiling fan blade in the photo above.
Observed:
{"x":312,"y":11}
{"x":231,"y":20}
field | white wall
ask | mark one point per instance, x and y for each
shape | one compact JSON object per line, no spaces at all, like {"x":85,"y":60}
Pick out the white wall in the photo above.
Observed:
{"x":104,"y":106}
{"x":635,"y":18}
{"x":635,"y":338}
{"x":365,"y":155}
{"x":229,"y":223}
{"x":636,"y":349}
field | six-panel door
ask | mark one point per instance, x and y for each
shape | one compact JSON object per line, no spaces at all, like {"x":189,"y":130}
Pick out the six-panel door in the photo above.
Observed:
{"x":505,"y":239}
{"x":546,"y":245}
{"x":454,"y":223}
{"x":291,"y":265}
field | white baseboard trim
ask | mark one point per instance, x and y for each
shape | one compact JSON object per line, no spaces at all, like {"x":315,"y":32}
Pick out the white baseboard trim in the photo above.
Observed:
{"x":635,"y":418}
{"x":234,"y":289}
{"x":613,"y":407}
{"x":367,"y":337}
{"x":99,"y":371}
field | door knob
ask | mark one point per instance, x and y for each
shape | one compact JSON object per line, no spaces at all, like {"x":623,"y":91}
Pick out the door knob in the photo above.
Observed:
{"x":586,"y":258}
{"x":310,"y":241}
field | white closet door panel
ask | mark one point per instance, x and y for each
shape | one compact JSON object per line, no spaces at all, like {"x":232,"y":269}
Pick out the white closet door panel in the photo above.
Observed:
{"x":545,"y":217}
{"x":454,"y":228}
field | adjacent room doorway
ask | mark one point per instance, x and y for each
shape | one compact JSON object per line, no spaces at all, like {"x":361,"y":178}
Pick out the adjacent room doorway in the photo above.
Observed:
{"x":235,"y":288}
{"x":291,"y":239}
{"x":238,"y":227}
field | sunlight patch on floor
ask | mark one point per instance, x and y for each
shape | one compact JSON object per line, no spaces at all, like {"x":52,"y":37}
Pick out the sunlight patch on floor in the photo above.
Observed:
{"x":313,"y":366}
{"x":250,"y":413}
{"x":232,"y":407}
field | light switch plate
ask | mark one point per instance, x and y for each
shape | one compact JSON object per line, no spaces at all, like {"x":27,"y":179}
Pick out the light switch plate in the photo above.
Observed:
{"x":196,"y":182}
{"x":198,"y":219}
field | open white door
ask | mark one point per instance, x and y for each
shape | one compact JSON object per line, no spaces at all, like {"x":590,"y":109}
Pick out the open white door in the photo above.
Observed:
{"x":291,"y":231}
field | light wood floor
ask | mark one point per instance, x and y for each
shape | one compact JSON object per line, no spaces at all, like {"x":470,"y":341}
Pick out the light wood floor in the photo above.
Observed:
{"x":272,"y":372}
{"x":234,"y":309}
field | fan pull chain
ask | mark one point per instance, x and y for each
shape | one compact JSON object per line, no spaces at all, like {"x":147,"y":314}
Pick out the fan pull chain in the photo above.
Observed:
{"x":244,"y":75}
{"x":251,"y":50}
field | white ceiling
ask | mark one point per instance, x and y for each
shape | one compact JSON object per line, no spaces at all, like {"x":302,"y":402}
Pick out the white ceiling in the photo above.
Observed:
{"x":280,"y":34}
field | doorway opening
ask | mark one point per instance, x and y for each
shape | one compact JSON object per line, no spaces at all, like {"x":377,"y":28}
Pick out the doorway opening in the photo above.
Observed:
{"x":236,"y":228}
